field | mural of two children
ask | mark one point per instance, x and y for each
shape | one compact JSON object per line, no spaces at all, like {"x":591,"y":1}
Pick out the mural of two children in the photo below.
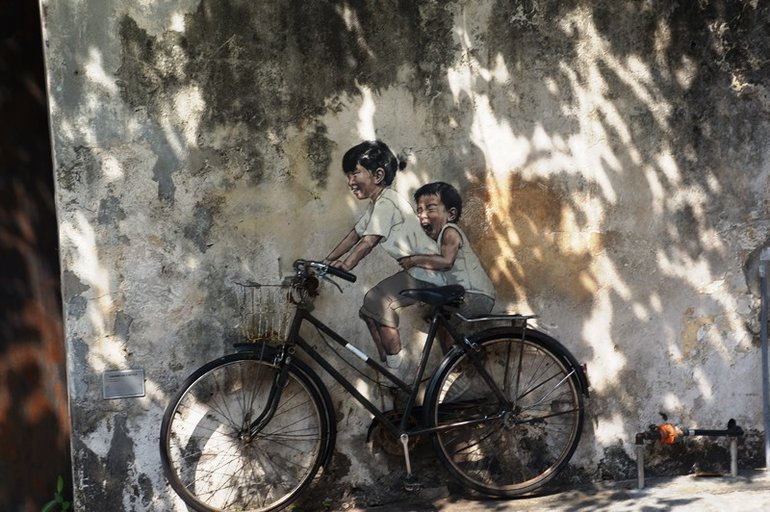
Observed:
{"x":430,"y":247}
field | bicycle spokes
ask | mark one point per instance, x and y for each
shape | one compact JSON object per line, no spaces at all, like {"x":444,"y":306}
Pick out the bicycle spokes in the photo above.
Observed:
{"x":511,"y":446}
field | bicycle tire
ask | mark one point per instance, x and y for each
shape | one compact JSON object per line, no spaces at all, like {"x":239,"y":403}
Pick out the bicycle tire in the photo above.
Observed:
{"x":208,"y":458}
{"x":512,"y":452}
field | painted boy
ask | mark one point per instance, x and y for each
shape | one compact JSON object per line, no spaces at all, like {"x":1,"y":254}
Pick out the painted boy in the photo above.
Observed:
{"x":439,"y":206}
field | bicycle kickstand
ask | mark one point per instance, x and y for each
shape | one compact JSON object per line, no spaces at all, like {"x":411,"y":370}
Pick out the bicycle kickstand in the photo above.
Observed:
{"x":410,"y":481}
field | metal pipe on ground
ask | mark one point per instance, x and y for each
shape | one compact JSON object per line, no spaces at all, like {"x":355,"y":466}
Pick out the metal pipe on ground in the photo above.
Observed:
{"x":671,"y":434}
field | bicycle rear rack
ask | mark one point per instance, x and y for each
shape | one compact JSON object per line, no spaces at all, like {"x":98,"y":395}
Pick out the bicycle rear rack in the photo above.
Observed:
{"x":516,"y":320}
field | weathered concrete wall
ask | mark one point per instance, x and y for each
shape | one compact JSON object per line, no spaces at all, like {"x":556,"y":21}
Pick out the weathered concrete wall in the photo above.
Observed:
{"x":613,"y":157}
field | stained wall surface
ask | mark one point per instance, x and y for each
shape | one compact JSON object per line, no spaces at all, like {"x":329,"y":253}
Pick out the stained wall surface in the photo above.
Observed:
{"x":612,"y":156}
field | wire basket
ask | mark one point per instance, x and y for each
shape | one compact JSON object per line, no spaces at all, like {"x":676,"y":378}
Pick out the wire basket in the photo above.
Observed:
{"x":265,"y":312}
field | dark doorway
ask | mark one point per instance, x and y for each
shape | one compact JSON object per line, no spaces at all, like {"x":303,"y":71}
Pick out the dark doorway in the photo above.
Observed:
{"x":34,"y":422}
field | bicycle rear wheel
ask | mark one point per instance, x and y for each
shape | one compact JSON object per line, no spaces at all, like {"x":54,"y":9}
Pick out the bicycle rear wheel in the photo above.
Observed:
{"x":212,"y":460}
{"x":507,"y":450}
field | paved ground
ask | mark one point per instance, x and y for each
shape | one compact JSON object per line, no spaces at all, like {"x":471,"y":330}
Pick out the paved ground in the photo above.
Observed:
{"x":749,"y":492}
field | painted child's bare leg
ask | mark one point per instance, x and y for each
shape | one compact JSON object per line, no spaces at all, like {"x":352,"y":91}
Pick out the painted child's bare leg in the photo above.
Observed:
{"x":374,"y":331}
{"x":391,"y":341}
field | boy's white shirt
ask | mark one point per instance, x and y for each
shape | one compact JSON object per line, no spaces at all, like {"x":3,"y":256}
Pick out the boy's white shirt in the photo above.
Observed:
{"x":392,"y":217}
{"x":467,"y":270}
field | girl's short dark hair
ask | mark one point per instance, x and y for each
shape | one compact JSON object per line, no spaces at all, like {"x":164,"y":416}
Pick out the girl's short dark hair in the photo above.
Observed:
{"x":373,"y":155}
{"x":448,"y":194}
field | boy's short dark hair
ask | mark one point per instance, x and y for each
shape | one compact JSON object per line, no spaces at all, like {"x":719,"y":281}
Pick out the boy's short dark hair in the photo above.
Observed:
{"x":448,"y":194}
{"x":373,"y":155}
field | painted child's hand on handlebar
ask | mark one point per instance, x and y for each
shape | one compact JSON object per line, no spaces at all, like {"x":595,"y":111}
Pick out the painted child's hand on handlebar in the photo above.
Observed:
{"x":340,"y":272}
{"x":334,"y":263}
{"x":335,"y":268}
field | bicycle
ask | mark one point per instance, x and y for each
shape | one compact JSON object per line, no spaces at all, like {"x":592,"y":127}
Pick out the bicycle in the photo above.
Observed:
{"x":251,"y":430}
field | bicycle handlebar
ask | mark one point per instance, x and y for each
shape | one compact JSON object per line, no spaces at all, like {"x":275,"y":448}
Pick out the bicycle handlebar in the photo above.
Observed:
{"x":328,"y":269}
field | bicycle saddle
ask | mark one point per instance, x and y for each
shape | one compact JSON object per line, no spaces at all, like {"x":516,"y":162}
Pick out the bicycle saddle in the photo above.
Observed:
{"x":440,"y":295}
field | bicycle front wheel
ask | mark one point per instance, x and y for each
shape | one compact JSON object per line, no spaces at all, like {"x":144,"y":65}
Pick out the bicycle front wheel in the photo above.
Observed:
{"x":211,"y":454}
{"x":506,"y":447}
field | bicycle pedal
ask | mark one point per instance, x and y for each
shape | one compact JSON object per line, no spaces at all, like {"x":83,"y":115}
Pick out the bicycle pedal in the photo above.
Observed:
{"x":411,"y":483}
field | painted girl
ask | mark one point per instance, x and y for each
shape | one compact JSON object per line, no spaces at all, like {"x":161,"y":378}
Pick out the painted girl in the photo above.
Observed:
{"x":390,"y":222}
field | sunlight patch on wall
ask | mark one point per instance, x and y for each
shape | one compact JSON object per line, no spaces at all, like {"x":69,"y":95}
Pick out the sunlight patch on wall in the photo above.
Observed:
{"x":95,"y":72}
{"x":703,"y":383}
{"x":668,"y":166}
{"x":366,"y":111}
{"x":188,"y":110}
{"x":588,"y":147}
{"x":506,"y":266}
{"x":503,"y":150}
{"x":172,"y":138}
{"x":657,"y":190}
{"x":80,"y":243}
{"x":608,"y":360}
{"x":610,"y":430}
{"x":687,"y":72}
{"x":350,"y":18}
{"x":112,"y":170}
{"x":595,"y":50}
{"x":85,"y":260}
{"x":671,"y":402}
{"x":192,"y":262}
{"x":683,"y":266}
{"x":177,"y":23}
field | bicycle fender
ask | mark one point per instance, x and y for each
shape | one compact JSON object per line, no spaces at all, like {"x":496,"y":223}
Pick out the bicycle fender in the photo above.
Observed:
{"x":548,"y":341}
{"x":326,"y":397}
{"x":268,"y":352}
{"x":570,"y":359}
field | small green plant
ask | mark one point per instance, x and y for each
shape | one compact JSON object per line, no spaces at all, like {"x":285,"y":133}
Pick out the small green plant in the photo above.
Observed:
{"x":58,"y":502}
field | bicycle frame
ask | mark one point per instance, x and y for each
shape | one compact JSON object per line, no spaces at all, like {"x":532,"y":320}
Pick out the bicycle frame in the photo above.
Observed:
{"x":438,"y":319}
{"x":303,"y":315}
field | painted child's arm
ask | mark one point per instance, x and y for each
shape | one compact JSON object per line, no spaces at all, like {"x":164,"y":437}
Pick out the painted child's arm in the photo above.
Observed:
{"x":361,"y":249}
{"x":343,"y":247}
{"x":450,"y":246}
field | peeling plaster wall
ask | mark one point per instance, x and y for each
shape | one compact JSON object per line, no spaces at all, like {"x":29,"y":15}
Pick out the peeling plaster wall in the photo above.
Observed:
{"x":613,"y":158}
